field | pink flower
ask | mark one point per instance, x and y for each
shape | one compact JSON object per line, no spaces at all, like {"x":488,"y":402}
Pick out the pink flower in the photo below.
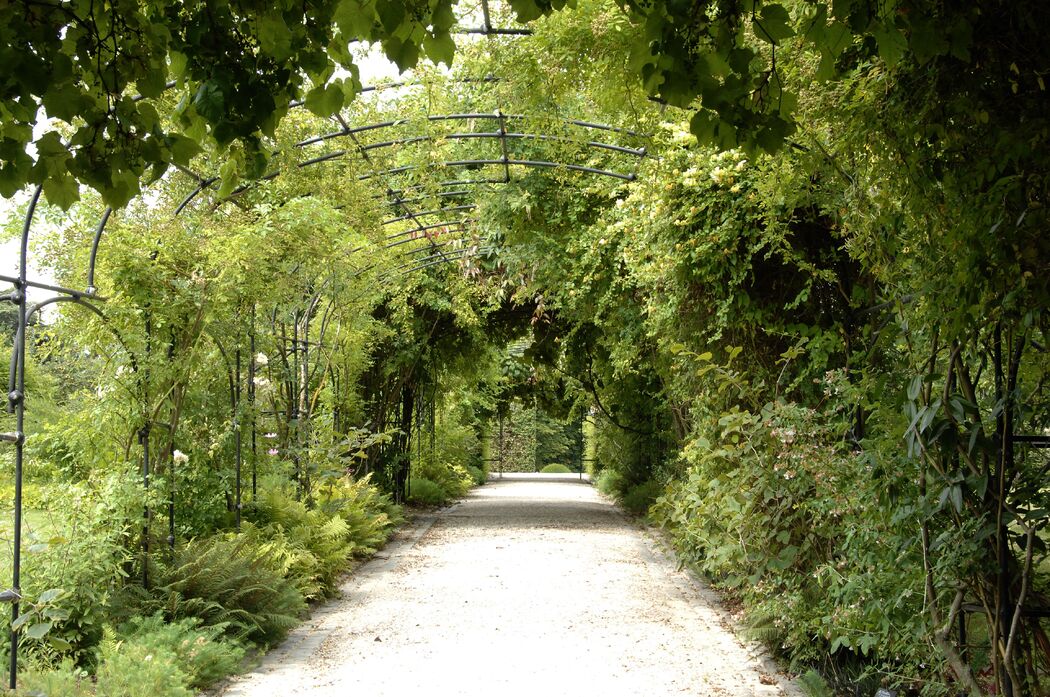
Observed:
{"x":271,"y":451}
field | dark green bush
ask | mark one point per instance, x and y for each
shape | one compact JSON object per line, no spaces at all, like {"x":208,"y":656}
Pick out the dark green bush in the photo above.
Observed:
{"x":477,"y":474}
{"x":200,"y":652}
{"x":426,"y":493}
{"x":637,"y":499}
{"x":225,"y":580}
{"x":555,"y":468}
{"x":611,"y":483}
{"x":454,"y":479}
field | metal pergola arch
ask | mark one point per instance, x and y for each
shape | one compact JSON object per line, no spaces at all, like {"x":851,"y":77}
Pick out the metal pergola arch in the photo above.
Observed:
{"x":393,"y":196}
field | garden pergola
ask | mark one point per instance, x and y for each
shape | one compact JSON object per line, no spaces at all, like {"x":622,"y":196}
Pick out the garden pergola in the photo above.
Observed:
{"x":425,"y":238}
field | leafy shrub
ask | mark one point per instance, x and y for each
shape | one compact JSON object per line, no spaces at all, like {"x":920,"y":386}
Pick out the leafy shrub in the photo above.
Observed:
{"x":637,"y":499}
{"x":370,"y":514}
{"x":477,"y":474}
{"x":64,"y":681}
{"x":127,"y":668}
{"x":199,"y":651}
{"x":454,"y":479}
{"x":769,"y":513}
{"x":228,"y":581}
{"x":84,"y":557}
{"x":611,"y":483}
{"x":426,"y":493}
{"x":132,"y":669}
{"x":308,"y":547}
{"x":556,"y":468}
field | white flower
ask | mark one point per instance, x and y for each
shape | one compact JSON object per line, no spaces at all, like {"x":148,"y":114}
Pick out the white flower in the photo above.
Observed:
{"x":260,"y":381}
{"x":179,"y":457}
{"x":261,"y":359}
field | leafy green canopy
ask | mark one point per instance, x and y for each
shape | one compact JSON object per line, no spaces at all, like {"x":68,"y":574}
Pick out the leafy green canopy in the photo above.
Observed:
{"x":121,"y":91}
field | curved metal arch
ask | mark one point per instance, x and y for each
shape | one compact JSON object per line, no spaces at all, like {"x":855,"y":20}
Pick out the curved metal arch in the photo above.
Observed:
{"x":451,"y":183}
{"x":541,"y":164}
{"x":497,"y":135}
{"x":466,"y":116}
{"x":459,"y":253}
{"x":417,"y":199}
{"x":297,"y":103}
{"x":435,"y":211}
{"x":423,"y":228}
{"x":94,"y":248}
{"x":453,"y":256}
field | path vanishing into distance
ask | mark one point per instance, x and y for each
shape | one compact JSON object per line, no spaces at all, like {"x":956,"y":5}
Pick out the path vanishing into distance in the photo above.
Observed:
{"x":532,"y":585}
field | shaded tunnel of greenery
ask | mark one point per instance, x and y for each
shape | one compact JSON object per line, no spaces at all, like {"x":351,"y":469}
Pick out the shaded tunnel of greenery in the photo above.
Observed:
{"x":776,"y":273}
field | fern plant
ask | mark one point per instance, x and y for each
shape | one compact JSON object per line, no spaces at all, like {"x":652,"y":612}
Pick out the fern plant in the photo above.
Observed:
{"x":814,"y":685}
{"x":310,"y":546}
{"x":370,"y":514}
{"x":230,"y":581}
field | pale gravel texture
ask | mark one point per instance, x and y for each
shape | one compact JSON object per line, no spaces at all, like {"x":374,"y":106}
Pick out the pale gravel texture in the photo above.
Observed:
{"x":533,"y":585}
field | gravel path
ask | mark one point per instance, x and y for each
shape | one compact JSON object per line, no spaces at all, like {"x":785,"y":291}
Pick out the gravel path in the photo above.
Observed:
{"x":532,"y":585}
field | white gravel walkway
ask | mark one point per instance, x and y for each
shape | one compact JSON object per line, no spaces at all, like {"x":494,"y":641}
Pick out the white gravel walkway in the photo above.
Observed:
{"x":533,"y":585}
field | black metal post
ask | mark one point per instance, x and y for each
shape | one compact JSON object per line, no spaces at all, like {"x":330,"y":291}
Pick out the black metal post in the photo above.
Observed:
{"x":171,"y":505}
{"x":294,"y":396}
{"x":237,"y":438}
{"x":304,"y":413}
{"x":501,"y":445}
{"x":144,"y":440}
{"x":16,"y":404}
{"x":251,"y":401}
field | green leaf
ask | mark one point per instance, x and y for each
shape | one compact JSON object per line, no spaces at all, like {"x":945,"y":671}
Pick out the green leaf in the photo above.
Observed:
{"x":38,"y":630}
{"x":837,"y":36}
{"x":355,"y":18}
{"x":62,"y":190}
{"x":927,"y":40}
{"x":59,"y":644}
{"x":914,"y":387}
{"x":440,"y":49}
{"x":892,"y":44}
{"x":182,"y":149}
{"x":404,"y":53}
{"x":325,"y":100}
{"x":63,"y":101}
{"x":50,"y":595}
{"x":774,"y":25}
{"x":526,"y":10}
{"x":274,"y":36}
{"x":177,"y":64}
{"x":771,"y":138}
{"x":209,"y":101}
{"x":443,"y":18}
{"x":391,"y":14}
{"x":152,"y":84}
